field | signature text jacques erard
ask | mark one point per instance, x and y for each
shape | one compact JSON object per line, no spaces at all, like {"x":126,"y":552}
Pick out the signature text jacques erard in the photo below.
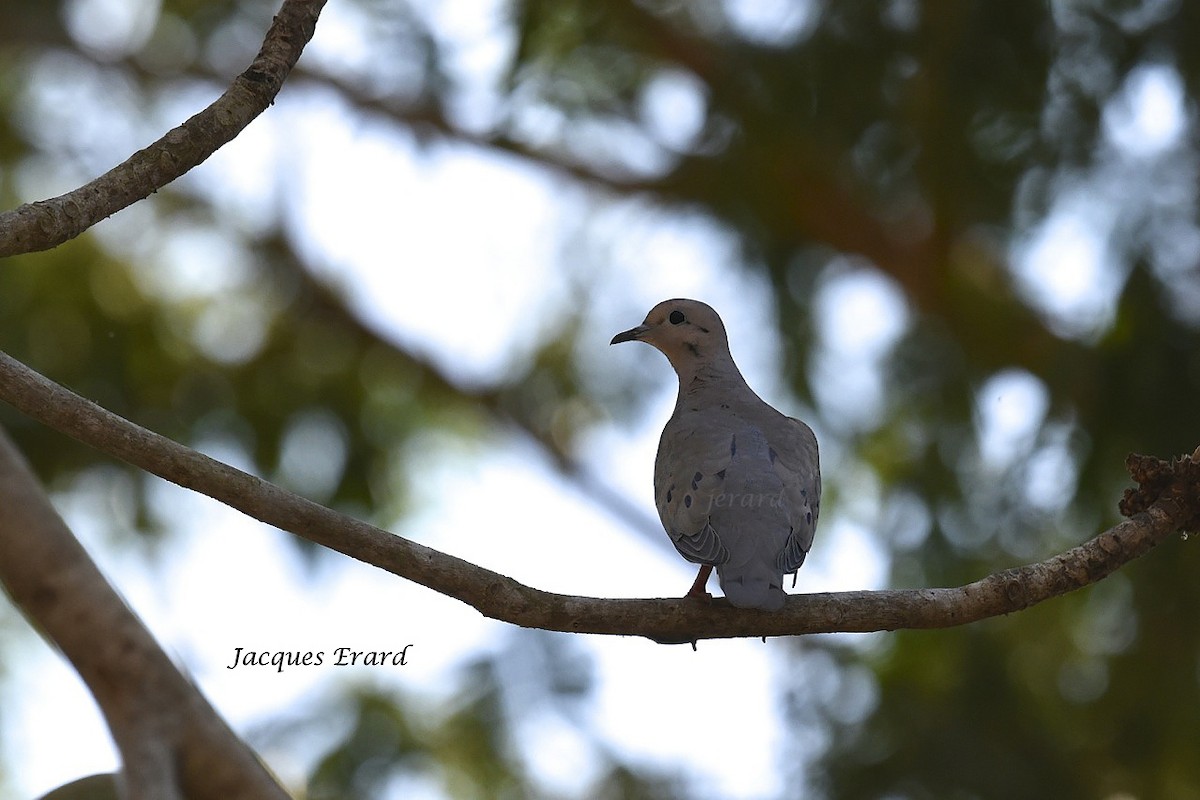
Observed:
{"x":337,"y":657}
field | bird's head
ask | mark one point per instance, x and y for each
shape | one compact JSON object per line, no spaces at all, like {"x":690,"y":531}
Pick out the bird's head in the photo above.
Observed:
{"x":689,"y":333}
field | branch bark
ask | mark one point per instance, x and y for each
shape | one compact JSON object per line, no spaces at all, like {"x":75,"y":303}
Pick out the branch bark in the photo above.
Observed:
{"x":663,"y":620}
{"x":173,"y":744}
{"x":48,"y":223}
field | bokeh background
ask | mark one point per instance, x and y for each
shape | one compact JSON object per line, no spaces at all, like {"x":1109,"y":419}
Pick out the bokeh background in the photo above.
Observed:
{"x":959,"y":238}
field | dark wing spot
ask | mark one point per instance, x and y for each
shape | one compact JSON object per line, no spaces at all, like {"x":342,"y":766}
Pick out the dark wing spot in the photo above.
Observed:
{"x":771,"y":454}
{"x":808,"y":518}
{"x":733,"y":445}
{"x":687,"y":501}
{"x":669,"y":491}
{"x":696,"y":480}
{"x":721,"y":474}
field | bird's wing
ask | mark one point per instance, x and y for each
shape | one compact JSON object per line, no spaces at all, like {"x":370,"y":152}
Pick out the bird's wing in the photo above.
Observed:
{"x":689,"y":476}
{"x":794,"y":457}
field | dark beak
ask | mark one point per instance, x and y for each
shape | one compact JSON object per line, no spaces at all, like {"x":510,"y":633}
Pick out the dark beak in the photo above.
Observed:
{"x":631,"y":335}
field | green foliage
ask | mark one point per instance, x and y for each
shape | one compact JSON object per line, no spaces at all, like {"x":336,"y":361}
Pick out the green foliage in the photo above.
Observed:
{"x":927,"y":139}
{"x":468,"y":748}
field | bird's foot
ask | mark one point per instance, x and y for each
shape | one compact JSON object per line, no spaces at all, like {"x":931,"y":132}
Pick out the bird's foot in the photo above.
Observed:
{"x":697,"y":591}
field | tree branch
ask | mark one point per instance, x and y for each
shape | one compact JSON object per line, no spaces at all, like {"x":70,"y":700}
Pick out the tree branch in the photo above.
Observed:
{"x":173,"y":744}
{"x":1169,"y":506}
{"x":48,"y":223}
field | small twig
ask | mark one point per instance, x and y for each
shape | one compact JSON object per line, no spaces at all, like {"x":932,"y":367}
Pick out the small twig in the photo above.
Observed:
{"x":1177,"y":479}
{"x":502,"y":598}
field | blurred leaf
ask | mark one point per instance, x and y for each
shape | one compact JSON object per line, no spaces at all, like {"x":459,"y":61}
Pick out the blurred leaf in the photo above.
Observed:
{"x":934,"y":144}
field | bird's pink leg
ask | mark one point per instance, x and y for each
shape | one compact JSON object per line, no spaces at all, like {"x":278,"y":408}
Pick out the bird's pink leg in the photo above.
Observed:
{"x":697,"y":589}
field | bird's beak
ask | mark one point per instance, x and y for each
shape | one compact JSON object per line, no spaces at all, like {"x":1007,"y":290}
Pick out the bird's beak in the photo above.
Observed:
{"x":631,"y":335}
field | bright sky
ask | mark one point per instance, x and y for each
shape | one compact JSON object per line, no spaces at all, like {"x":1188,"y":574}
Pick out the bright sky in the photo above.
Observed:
{"x":455,"y":251}
{"x":502,"y":509}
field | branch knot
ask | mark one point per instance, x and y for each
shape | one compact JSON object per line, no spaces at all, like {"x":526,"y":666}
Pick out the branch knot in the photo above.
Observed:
{"x":1177,"y":480}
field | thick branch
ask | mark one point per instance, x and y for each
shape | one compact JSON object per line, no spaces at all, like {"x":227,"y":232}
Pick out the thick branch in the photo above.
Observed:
{"x":502,"y":598}
{"x":172,"y":742}
{"x":49,"y":223}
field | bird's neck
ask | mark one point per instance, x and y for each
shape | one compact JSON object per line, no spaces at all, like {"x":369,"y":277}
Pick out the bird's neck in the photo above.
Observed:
{"x":714,"y":374}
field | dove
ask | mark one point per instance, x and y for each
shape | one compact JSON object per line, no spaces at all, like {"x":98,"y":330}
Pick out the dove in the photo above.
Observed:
{"x":737,"y":484}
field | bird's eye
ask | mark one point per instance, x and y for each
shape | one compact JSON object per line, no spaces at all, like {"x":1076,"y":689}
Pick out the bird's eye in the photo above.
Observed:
{"x":676,"y":317}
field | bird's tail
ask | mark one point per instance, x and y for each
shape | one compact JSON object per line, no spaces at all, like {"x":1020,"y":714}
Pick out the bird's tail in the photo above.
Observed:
{"x":749,"y":591}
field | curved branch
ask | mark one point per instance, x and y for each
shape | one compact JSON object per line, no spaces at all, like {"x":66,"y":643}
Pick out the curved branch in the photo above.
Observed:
{"x":49,"y":223}
{"x":663,"y":620}
{"x":173,"y":743}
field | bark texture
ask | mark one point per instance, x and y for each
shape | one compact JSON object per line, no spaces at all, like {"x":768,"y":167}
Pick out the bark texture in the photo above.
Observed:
{"x":1168,"y":502}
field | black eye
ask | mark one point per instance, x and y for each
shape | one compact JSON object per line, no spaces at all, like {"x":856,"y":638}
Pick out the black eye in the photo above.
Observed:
{"x":676,"y":317}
